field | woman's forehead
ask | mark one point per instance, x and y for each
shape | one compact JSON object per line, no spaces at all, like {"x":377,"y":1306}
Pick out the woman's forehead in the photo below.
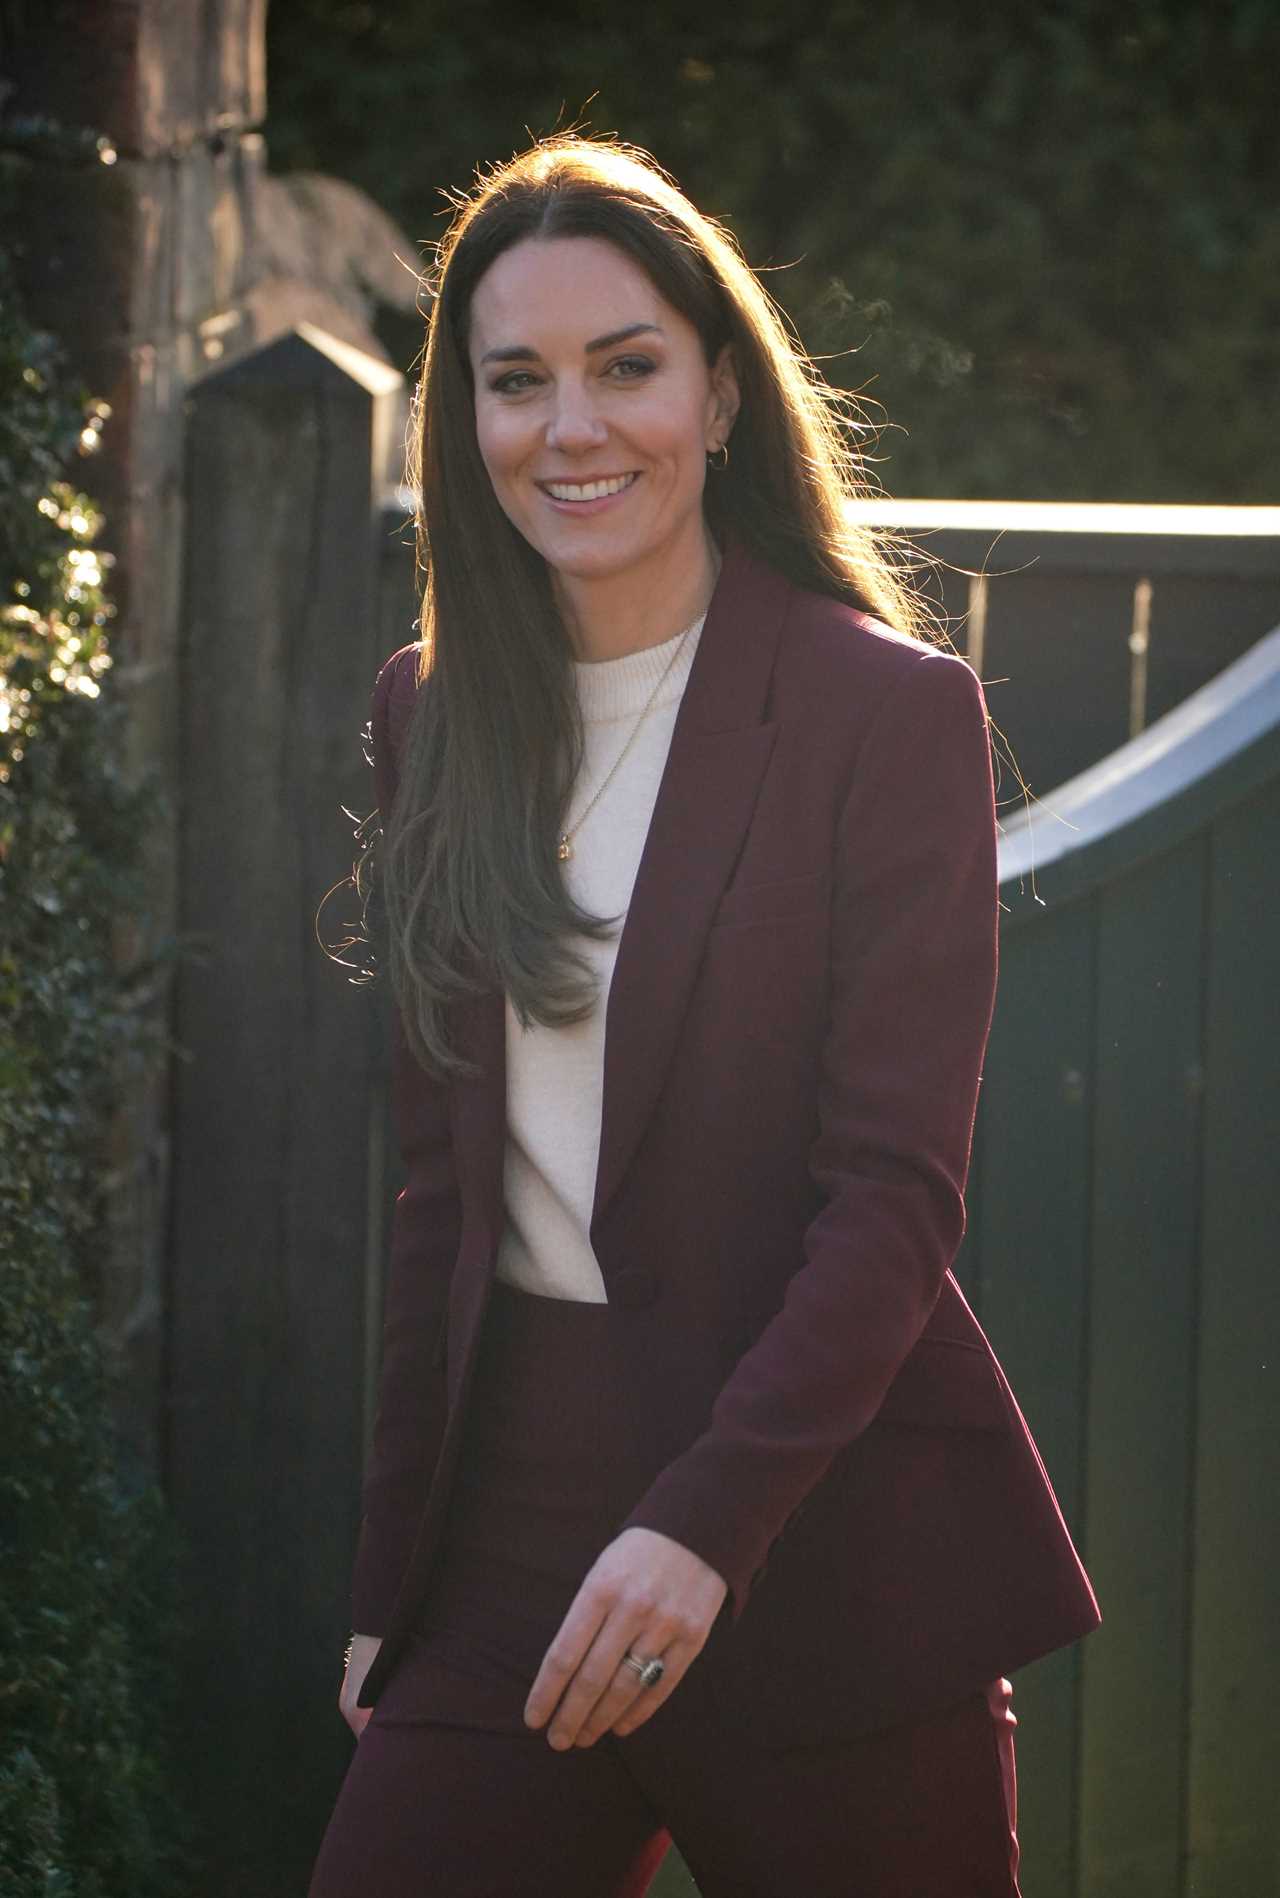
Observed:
{"x":570,"y":291}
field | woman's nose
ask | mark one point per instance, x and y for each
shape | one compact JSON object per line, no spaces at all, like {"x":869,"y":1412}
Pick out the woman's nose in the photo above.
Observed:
{"x":575,"y":424}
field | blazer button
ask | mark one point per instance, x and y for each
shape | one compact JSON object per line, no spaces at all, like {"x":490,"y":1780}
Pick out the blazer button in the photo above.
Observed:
{"x":635,"y":1287}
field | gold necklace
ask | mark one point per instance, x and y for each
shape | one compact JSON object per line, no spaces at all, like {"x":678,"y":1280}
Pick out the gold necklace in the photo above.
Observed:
{"x":565,"y":848}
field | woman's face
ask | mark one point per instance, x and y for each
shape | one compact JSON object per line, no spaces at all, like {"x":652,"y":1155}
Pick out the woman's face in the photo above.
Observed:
{"x":595,"y":407}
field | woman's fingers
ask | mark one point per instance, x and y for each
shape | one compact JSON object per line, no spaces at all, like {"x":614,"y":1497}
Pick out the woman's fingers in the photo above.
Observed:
{"x":360,"y":1659}
{"x":357,"y":1718}
{"x":645,"y":1593}
{"x":628,"y":1703}
{"x":600,"y":1683}
{"x":562,"y":1659}
{"x":582,"y":1685}
{"x":605,"y":1695}
{"x":604,"y":1687}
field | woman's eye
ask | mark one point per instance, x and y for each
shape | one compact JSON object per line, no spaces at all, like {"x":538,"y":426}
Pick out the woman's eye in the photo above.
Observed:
{"x":632,"y":367}
{"x":513,"y":383}
{"x":621,"y":369}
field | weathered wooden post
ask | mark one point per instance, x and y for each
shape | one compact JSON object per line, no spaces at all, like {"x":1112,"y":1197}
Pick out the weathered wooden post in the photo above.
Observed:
{"x":278,"y":1097}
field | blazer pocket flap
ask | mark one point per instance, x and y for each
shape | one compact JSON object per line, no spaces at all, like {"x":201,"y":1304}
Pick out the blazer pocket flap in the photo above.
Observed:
{"x":949,"y":1384}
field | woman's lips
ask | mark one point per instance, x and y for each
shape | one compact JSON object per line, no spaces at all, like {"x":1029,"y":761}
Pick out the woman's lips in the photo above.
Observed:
{"x":589,"y":497}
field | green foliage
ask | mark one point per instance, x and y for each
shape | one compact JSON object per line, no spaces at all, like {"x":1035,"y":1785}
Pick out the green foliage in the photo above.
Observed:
{"x":1048,"y":235}
{"x":88,"y":1620}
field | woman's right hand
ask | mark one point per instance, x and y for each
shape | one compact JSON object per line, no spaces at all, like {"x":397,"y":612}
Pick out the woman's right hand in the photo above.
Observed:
{"x":363,"y":1649}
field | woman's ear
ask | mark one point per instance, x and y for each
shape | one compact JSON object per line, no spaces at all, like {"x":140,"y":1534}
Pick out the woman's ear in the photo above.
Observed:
{"x":727,"y":397}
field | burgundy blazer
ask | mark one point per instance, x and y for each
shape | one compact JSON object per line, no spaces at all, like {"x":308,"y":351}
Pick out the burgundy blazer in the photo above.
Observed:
{"x":795,"y":1032}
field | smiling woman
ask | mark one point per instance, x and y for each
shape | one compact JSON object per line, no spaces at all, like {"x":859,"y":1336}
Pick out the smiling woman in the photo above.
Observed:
{"x":698,"y":1504}
{"x":597,"y":448}
{"x":588,"y":322}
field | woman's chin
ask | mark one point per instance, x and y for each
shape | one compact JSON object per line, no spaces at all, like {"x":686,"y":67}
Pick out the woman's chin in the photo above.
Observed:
{"x":592,"y":563}
{"x":587,"y":557}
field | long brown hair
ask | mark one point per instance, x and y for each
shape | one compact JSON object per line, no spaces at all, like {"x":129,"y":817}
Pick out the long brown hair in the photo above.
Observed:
{"x":470,"y":889}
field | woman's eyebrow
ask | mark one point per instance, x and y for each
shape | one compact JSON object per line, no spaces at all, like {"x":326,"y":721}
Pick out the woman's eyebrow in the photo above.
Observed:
{"x":521,"y":352}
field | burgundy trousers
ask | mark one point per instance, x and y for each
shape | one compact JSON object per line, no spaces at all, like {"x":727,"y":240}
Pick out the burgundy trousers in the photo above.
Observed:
{"x":450,"y":1795}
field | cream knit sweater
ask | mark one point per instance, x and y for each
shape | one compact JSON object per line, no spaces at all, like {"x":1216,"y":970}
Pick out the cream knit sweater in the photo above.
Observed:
{"x":555,"y":1075}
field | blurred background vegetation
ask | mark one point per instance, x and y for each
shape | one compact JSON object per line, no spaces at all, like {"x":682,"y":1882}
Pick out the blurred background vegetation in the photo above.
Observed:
{"x":1045,"y":239}
{"x":90,"y":1622}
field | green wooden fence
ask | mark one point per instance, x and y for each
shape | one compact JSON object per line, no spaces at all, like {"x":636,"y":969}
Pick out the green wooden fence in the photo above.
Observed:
{"x":1122,"y":1253}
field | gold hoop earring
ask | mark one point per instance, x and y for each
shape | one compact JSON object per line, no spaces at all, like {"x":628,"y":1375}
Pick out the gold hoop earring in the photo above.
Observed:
{"x":723,"y":449}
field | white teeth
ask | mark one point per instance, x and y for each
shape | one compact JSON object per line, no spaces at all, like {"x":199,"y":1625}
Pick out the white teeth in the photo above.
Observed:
{"x":587,"y":490}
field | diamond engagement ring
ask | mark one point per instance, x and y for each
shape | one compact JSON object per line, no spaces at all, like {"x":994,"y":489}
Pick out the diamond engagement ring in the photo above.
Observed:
{"x":649,"y":1672}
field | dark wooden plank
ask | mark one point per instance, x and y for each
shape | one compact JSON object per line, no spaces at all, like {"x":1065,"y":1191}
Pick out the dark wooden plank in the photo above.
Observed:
{"x":1233,"y":1821}
{"x":272,"y":1096}
{"x":1198,"y":626}
{"x":1141,"y":1354}
{"x":1035,"y":1112}
{"x":1056,"y":665}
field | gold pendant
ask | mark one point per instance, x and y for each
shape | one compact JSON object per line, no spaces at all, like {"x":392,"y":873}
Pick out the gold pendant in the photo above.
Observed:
{"x":565,"y":851}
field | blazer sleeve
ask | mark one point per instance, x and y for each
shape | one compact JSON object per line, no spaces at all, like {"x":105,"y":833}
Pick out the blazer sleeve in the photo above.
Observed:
{"x":913,"y":977}
{"x":425,"y":1227}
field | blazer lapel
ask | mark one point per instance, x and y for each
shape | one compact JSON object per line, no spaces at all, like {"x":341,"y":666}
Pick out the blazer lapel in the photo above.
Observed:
{"x":719,"y":750}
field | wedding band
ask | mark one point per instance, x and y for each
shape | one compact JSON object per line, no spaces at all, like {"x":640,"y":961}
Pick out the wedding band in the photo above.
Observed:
{"x":650,"y":1672}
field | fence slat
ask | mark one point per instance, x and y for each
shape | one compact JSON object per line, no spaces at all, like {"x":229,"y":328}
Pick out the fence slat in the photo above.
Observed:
{"x":1141,"y":1325}
{"x":1032,"y":1274}
{"x":1233,"y":1842}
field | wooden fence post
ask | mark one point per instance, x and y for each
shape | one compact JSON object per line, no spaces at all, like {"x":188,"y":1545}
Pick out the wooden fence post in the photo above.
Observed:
{"x":278,"y":1097}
